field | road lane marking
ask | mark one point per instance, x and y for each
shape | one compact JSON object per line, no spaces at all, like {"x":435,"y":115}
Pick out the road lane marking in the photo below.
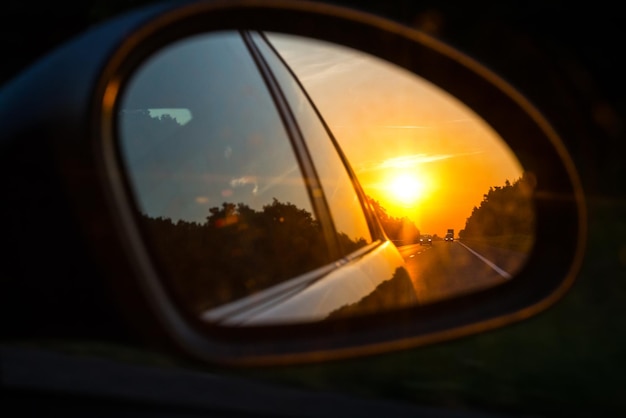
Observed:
{"x":498,"y":270}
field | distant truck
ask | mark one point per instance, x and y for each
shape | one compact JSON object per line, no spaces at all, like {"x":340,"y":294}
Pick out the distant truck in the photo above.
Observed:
{"x":449,"y":235}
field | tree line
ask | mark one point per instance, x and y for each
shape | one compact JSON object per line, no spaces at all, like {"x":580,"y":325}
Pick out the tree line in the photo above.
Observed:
{"x":239,"y":251}
{"x":504,"y":211}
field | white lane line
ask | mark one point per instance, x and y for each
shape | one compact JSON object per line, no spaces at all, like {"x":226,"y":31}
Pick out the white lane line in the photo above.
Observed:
{"x":489,"y":263}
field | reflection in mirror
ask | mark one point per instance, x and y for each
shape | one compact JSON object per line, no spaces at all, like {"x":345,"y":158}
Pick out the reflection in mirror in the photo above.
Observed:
{"x":254,"y":215}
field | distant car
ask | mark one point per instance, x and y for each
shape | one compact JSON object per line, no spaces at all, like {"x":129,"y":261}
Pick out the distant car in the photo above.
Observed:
{"x":426,"y":239}
{"x":449,"y":237}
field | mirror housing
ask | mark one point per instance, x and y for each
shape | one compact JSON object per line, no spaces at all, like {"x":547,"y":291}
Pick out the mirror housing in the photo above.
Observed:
{"x":76,"y":118}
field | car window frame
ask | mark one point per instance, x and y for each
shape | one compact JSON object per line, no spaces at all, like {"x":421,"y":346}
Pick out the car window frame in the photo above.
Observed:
{"x":374,"y":224}
{"x":298,"y":144}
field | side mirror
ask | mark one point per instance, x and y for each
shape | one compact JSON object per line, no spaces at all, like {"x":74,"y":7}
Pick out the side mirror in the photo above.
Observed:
{"x":257,"y":217}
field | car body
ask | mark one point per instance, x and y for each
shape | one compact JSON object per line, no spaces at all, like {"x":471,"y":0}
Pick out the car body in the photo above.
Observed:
{"x":449,"y":237}
{"x":64,"y":348}
{"x":426,"y":239}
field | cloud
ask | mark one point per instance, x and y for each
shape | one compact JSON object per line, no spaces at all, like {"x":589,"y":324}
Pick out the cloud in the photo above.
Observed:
{"x":326,"y":68}
{"x":278,"y":180}
{"x":404,"y":127}
{"x":316,"y":61}
{"x":234,"y":183}
{"x":407,"y":161}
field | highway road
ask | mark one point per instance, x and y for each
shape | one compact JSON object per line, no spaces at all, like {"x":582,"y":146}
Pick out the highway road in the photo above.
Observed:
{"x":448,"y":269}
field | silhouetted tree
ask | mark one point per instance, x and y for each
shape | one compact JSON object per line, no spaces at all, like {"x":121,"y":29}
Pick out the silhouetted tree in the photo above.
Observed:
{"x":238,"y":251}
{"x":402,"y":231}
{"x":504,"y":211}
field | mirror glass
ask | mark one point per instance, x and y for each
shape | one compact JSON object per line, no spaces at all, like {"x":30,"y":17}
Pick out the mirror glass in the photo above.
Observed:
{"x":284,"y":179}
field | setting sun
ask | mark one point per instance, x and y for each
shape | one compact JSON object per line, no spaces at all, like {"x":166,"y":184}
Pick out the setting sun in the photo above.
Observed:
{"x":406,"y":189}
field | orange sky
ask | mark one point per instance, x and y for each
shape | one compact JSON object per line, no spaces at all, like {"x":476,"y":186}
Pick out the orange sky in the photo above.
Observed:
{"x":392,"y":123}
